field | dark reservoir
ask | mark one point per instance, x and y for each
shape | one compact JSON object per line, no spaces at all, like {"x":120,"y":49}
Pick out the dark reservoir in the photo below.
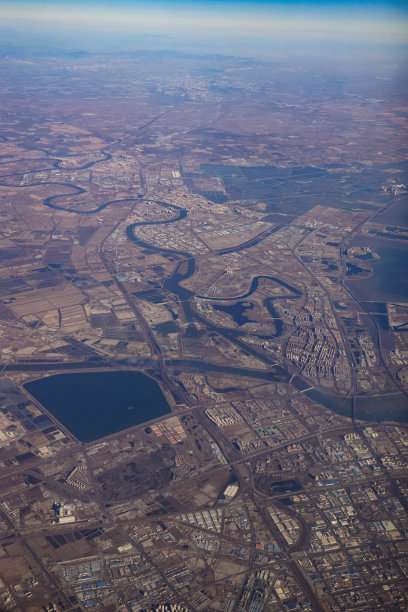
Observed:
{"x":389,"y":281}
{"x":237,"y":311}
{"x":97,"y":404}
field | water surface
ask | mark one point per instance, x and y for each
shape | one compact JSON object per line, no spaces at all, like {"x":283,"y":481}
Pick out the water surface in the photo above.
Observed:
{"x":389,"y":281}
{"x":92,"y":405}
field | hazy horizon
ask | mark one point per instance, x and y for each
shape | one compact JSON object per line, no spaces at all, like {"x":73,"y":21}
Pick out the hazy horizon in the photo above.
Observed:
{"x":258,"y":25}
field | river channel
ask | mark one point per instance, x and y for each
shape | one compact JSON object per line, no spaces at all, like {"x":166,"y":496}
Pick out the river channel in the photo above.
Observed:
{"x":184,"y":270}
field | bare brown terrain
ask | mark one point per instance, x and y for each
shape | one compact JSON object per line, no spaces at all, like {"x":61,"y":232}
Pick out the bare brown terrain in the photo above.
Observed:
{"x":235,"y":229}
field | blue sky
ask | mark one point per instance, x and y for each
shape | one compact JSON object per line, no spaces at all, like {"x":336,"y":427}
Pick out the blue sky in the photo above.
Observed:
{"x":348,"y":21}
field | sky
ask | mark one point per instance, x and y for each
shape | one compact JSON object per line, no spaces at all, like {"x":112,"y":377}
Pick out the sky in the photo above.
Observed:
{"x":348,"y":21}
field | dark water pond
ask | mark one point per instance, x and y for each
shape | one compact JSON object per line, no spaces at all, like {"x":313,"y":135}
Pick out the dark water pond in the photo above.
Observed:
{"x":389,"y":281}
{"x":396,"y":215}
{"x":96,"y":404}
{"x":387,"y":407}
{"x":236,"y":311}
